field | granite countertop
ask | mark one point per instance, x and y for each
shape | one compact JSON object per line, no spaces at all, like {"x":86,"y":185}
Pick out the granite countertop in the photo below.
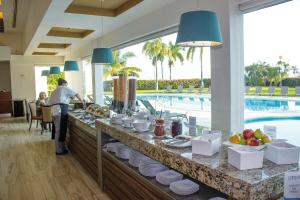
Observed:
{"x":215,"y":171}
{"x":88,"y":128}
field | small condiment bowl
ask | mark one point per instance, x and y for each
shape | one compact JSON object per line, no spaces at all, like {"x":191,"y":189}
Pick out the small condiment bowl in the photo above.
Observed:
{"x":141,"y":125}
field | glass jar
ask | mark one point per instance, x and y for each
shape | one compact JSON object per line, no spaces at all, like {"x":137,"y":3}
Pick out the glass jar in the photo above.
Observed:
{"x":176,"y":127}
{"x":159,"y":127}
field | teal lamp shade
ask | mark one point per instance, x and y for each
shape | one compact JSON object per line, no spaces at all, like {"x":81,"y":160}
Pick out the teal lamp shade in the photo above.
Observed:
{"x":199,"y":29}
{"x":71,"y":65}
{"x":45,"y":73}
{"x":102,"y":56}
{"x":54,"y":70}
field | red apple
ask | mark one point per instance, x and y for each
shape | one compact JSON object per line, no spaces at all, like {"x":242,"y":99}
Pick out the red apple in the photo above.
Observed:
{"x":254,"y":142}
{"x":248,"y":133}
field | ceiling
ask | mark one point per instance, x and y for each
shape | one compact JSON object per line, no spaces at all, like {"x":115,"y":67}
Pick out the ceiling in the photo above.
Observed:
{"x":56,"y":17}
{"x":21,"y":14}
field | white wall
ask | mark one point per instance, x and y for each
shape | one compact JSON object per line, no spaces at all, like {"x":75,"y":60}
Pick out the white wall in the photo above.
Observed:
{"x":76,"y":79}
{"x":23,"y":73}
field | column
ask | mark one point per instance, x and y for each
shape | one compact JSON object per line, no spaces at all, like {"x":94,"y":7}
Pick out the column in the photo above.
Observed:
{"x":98,"y":89}
{"x":227,"y":74}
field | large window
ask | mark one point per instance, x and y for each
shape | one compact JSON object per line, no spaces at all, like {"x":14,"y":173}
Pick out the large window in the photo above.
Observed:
{"x":46,"y":83}
{"x":177,"y":72}
{"x":87,"y":77}
{"x":272,"y":69}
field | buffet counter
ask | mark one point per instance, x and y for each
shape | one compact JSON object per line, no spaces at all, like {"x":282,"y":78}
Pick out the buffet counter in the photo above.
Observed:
{"x":214,"y":171}
{"x":83,"y":144}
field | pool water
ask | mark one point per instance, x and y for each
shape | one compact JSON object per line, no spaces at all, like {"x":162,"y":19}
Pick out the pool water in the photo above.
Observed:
{"x":203,"y":103}
{"x":286,"y":128}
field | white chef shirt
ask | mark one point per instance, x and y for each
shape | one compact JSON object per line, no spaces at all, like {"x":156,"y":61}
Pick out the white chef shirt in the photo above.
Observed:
{"x":61,"y":95}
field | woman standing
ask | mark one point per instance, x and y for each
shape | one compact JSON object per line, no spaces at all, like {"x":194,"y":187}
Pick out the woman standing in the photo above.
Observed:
{"x":60,"y":102}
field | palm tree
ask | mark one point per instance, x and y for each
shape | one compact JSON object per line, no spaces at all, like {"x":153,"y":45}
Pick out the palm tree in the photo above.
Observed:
{"x":164,"y":51}
{"x":120,"y":65}
{"x":174,"y":53}
{"x":153,"y":49}
{"x":190,"y":56}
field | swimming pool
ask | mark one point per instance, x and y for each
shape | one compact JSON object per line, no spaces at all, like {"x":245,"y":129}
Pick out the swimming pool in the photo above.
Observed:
{"x":203,"y":103}
{"x":287,"y":127}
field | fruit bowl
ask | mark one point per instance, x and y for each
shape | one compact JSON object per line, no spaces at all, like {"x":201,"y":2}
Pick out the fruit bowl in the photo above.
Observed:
{"x":256,"y":139}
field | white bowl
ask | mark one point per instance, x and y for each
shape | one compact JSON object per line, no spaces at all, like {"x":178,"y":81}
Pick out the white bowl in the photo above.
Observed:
{"x":141,"y":125}
{"x":117,"y":119}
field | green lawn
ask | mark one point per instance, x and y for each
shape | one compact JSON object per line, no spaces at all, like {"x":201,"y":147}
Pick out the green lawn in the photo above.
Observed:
{"x":265,"y":90}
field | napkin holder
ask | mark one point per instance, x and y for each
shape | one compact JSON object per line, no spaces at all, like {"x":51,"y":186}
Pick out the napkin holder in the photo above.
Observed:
{"x":207,"y":144}
{"x":282,"y":153}
{"x":245,"y":157}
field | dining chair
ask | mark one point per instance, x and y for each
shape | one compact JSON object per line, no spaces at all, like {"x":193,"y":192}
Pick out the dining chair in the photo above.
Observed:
{"x":46,"y":117}
{"x":33,"y":116}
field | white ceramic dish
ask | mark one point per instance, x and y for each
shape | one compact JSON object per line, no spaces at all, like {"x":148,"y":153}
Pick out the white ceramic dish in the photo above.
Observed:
{"x":168,"y":177}
{"x":184,"y":187}
{"x":260,"y":147}
{"x":141,"y":125}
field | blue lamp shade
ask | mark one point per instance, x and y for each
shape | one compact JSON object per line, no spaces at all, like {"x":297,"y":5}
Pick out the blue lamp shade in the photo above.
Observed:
{"x":199,"y":29}
{"x":102,"y":56}
{"x":45,"y":73}
{"x":71,"y":65}
{"x":54,"y":70}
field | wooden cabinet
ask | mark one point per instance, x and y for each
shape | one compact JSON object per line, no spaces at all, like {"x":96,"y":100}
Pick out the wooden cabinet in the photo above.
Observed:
{"x":83,"y":146}
{"x":5,"y":103}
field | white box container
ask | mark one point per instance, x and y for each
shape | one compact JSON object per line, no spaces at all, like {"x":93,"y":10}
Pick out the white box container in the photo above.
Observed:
{"x":245,"y":157}
{"x":206,"y":145}
{"x":282,"y":153}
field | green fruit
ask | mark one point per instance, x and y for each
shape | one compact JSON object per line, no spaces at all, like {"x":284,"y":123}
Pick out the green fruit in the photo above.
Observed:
{"x":258,"y":134}
{"x":266,"y":139}
{"x":243,"y":141}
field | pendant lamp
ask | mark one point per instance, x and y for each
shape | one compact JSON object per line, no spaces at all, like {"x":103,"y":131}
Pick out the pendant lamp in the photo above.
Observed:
{"x":102,"y":56}
{"x":45,"y":73}
{"x":54,"y":70}
{"x":199,"y":29}
{"x":71,"y":65}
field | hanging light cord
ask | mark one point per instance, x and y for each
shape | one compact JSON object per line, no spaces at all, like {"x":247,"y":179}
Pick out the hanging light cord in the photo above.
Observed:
{"x":101,"y":4}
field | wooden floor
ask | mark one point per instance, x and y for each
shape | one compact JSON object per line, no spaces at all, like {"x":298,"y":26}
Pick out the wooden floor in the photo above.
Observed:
{"x":30,"y":170}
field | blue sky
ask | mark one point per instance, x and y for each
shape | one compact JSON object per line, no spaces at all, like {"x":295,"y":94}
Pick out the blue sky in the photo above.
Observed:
{"x":268,"y":34}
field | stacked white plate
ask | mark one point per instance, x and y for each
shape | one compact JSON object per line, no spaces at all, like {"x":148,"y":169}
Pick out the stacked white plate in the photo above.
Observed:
{"x":184,"y":187}
{"x":168,"y":177}
{"x":150,"y":168}
{"x":111,"y":147}
{"x":122,"y":151}
{"x":135,"y":158}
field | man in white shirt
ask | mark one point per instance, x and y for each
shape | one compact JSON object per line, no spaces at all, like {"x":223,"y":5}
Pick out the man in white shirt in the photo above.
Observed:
{"x":60,"y":100}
